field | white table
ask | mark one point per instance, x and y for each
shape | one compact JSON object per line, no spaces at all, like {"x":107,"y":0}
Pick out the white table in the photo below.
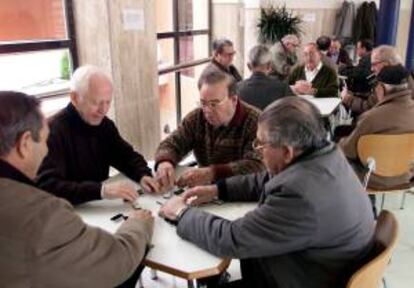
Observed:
{"x":170,"y":253}
{"x":326,"y":106}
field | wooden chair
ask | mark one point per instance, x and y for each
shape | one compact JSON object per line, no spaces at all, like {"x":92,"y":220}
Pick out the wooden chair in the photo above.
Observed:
{"x":385,"y":239}
{"x":393,"y":155}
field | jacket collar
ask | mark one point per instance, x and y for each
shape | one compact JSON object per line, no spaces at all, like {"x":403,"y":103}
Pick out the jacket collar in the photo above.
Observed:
{"x":258,"y":74}
{"x":239,"y":115}
{"x":9,"y":171}
{"x":403,"y":95}
{"x":220,"y":66}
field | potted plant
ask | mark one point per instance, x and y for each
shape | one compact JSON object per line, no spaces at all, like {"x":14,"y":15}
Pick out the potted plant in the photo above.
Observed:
{"x":276,"y":22}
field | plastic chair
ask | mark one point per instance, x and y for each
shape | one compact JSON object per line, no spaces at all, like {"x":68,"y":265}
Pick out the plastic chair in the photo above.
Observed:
{"x":392,"y":156}
{"x":385,"y":239}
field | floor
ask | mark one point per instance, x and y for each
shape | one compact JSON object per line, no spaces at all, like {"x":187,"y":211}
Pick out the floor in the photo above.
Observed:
{"x":399,"y":274}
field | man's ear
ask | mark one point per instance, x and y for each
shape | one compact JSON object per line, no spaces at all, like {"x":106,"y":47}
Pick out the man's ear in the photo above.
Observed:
{"x":288,"y":154}
{"x":74,"y":98}
{"x":24,"y":145}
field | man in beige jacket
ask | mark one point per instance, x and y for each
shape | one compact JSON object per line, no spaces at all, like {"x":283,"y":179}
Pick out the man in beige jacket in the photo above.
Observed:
{"x":43,"y":243}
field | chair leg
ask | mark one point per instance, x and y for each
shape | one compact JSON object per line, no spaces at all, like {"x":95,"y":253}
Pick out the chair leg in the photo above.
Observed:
{"x":403,"y":200}
{"x":382,"y":201}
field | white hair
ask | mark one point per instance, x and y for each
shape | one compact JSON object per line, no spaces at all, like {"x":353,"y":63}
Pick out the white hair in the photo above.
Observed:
{"x":291,"y":38}
{"x":81,"y":77}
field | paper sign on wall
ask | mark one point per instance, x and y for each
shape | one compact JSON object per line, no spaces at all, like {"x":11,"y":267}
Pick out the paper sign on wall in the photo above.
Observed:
{"x":133,"y":19}
{"x":309,"y":17}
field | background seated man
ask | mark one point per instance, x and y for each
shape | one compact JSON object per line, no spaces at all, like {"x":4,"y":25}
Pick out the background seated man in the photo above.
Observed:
{"x":223,"y":55}
{"x":84,"y":143}
{"x":284,"y":56}
{"x":43,"y":243}
{"x":338,"y":55}
{"x":220,"y":133}
{"x":313,"y":77}
{"x":393,"y":114}
{"x":260,"y":89}
{"x":311,"y":226}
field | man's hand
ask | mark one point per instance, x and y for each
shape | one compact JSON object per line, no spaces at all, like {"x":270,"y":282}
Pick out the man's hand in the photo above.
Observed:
{"x":142,"y":215}
{"x":119,"y":190}
{"x":149,"y":184}
{"x":302,"y":87}
{"x":165,"y":175}
{"x":346,"y":97}
{"x":196,"y":176}
{"x":200,"y":194}
{"x":171,"y":208}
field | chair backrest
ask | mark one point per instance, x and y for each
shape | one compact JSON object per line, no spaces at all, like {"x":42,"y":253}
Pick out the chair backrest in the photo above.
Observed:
{"x":392,"y":153}
{"x":385,"y":238}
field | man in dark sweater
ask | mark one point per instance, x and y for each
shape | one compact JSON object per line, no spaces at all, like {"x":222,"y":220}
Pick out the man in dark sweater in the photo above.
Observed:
{"x":260,"y":89}
{"x":84,"y":143}
{"x":314,"y":77}
{"x":223,"y":54}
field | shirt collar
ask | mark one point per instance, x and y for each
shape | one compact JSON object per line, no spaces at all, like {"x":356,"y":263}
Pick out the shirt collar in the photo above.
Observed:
{"x":314,"y":70}
{"x":9,"y":171}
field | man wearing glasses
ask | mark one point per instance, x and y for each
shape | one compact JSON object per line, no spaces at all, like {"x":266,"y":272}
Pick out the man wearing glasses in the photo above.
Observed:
{"x":313,"y":223}
{"x":223,"y":55}
{"x":220,"y":133}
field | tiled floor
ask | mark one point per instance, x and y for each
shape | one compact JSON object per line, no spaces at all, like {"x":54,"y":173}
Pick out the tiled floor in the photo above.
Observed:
{"x":400,"y":273}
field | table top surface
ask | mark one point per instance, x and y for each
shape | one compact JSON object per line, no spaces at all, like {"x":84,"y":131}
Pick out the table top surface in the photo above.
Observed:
{"x":325,"y":105}
{"x":169,"y":253}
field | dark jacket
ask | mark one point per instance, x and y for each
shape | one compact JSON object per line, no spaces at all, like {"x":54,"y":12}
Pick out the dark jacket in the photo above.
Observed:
{"x":326,"y":81}
{"x":260,"y":90}
{"x":232,"y":70}
{"x":312,"y":226}
{"x":80,"y":155}
{"x":366,"y":22}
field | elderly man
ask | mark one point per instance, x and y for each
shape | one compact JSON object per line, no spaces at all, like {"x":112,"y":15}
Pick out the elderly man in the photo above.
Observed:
{"x":381,"y":57}
{"x":84,"y":143}
{"x":393,"y":114}
{"x":313,"y":77}
{"x":260,"y":89}
{"x":311,"y":226}
{"x":284,"y":56}
{"x":220,"y":133}
{"x":43,"y":243}
{"x":223,"y":54}
{"x":338,"y":55}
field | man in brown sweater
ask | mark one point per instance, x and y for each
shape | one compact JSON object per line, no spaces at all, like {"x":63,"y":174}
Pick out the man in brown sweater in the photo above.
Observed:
{"x":220,"y":133}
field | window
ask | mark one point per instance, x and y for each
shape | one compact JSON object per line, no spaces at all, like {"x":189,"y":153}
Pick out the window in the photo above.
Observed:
{"x":37,"y":46}
{"x":184,"y":33}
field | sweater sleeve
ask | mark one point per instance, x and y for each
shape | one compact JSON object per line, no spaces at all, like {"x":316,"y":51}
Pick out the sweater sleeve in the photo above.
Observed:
{"x":52,"y":174}
{"x":177,"y":145}
{"x":328,"y":84}
{"x":124,"y":158}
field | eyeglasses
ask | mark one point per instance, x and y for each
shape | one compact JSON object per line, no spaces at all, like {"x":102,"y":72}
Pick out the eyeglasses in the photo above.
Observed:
{"x":213,"y":104}
{"x":375,"y":63}
{"x":258,"y":145}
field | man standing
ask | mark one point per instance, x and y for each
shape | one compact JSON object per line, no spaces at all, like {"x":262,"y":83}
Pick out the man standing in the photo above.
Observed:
{"x":223,"y":54}
{"x":84,"y":143}
{"x":43,"y":243}
{"x":260,"y":89}
{"x":312,"y":226}
{"x":313,"y":77}
{"x":284,"y":56}
{"x":220,"y":133}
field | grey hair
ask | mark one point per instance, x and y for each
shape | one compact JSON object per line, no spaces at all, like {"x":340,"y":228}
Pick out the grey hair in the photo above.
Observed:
{"x":81,"y":78}
{"x":291,"y":38}
{"x":386,"y":53}
{"x":212,"y":75}
{"x":219,"y":44}
{"x":260,"y":55}
{"x":395,"y":88}
{"x":19,"y":113}
{"x":294,"y":122}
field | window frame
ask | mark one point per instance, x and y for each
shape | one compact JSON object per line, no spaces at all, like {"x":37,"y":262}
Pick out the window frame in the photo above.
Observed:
{"x":175,"y":35}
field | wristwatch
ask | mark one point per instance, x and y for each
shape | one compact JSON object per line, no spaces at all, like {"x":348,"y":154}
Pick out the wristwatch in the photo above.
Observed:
{"x":179,"y":213}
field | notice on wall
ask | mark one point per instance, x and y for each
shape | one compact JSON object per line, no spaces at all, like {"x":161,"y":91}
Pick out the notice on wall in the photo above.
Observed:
{"x":133,"y":19}
{"x":309,"y":17}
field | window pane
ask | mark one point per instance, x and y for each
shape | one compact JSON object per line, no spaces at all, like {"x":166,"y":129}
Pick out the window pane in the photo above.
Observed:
{"x":165,"y":53}
{"x":36,"y":73}
{"x":192,"y":15}
{"x":168,"y":110}
{"x":164,"y":15}
{"x":189,"y":90}
{"x":193,"y":48}
{"x":32,"y":20}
